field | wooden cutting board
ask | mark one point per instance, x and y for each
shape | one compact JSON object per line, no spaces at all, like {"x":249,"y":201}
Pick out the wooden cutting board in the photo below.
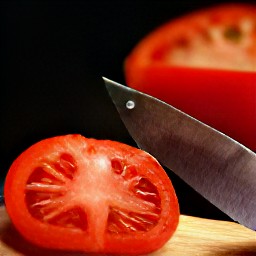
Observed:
{"x":194,"y":237}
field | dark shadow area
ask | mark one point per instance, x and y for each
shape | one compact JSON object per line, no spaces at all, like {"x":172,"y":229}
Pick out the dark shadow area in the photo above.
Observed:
{"x":52,"y":57}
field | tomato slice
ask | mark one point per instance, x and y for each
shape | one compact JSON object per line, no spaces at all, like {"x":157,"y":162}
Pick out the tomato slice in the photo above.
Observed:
{"x":74,"y":193}
{"x":203,"y":63}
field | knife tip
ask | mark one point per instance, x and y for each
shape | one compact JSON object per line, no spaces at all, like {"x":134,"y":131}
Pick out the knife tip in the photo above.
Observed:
{"x":105,"y":79}
{"x":108,"y":81}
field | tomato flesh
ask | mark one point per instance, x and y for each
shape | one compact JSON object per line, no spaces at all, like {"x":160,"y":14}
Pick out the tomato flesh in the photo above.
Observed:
{"x":88,"y":195}
{"x":204,"y":64}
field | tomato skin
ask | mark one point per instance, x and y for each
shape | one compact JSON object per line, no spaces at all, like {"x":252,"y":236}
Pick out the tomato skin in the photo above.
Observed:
{"x":224,"y":98}
{"x":55,"y":236}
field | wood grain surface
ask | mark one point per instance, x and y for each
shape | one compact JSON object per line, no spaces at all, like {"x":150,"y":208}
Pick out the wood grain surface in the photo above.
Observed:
{"x":194,"y":237}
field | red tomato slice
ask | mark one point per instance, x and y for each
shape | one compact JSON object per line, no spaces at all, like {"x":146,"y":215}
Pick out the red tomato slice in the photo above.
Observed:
{"x":74,"y":193}
{"x":203,"y":63}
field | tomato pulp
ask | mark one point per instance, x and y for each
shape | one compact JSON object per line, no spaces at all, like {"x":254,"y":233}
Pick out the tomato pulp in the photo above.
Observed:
{"x":74,"y":193}
{"x":203,"y":63}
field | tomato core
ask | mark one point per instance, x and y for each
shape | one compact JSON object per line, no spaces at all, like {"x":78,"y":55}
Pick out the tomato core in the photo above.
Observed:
{"x":47,"y":192}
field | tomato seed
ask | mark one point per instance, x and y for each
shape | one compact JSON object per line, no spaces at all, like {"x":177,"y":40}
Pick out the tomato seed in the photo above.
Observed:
{"x":117,"y":165}
{"x":129,"y":172}
{"x":233,"y":34}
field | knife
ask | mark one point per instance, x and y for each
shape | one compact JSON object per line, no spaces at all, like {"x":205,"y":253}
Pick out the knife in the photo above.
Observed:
{"x":218,"y":167}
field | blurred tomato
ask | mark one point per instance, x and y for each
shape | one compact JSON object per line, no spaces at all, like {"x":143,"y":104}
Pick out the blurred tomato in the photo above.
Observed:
{"x":203,"y":63}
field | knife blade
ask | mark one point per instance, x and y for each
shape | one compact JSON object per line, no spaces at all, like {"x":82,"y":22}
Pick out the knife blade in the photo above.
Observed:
{"x":218,"y":167}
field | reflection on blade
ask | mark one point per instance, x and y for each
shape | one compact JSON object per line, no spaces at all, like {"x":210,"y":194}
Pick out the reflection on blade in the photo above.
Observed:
{"x":219,"y":168}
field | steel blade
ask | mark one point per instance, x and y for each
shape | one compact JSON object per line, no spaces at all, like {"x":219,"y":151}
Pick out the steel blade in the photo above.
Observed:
{"x":216,"y":166}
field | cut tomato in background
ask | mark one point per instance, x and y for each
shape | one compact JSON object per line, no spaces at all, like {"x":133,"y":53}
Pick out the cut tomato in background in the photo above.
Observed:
{"x":74,"y":193}
{"x":203,"y":63}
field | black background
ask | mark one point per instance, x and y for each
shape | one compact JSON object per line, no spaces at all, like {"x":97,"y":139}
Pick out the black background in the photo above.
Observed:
{"x":53,"y":55}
